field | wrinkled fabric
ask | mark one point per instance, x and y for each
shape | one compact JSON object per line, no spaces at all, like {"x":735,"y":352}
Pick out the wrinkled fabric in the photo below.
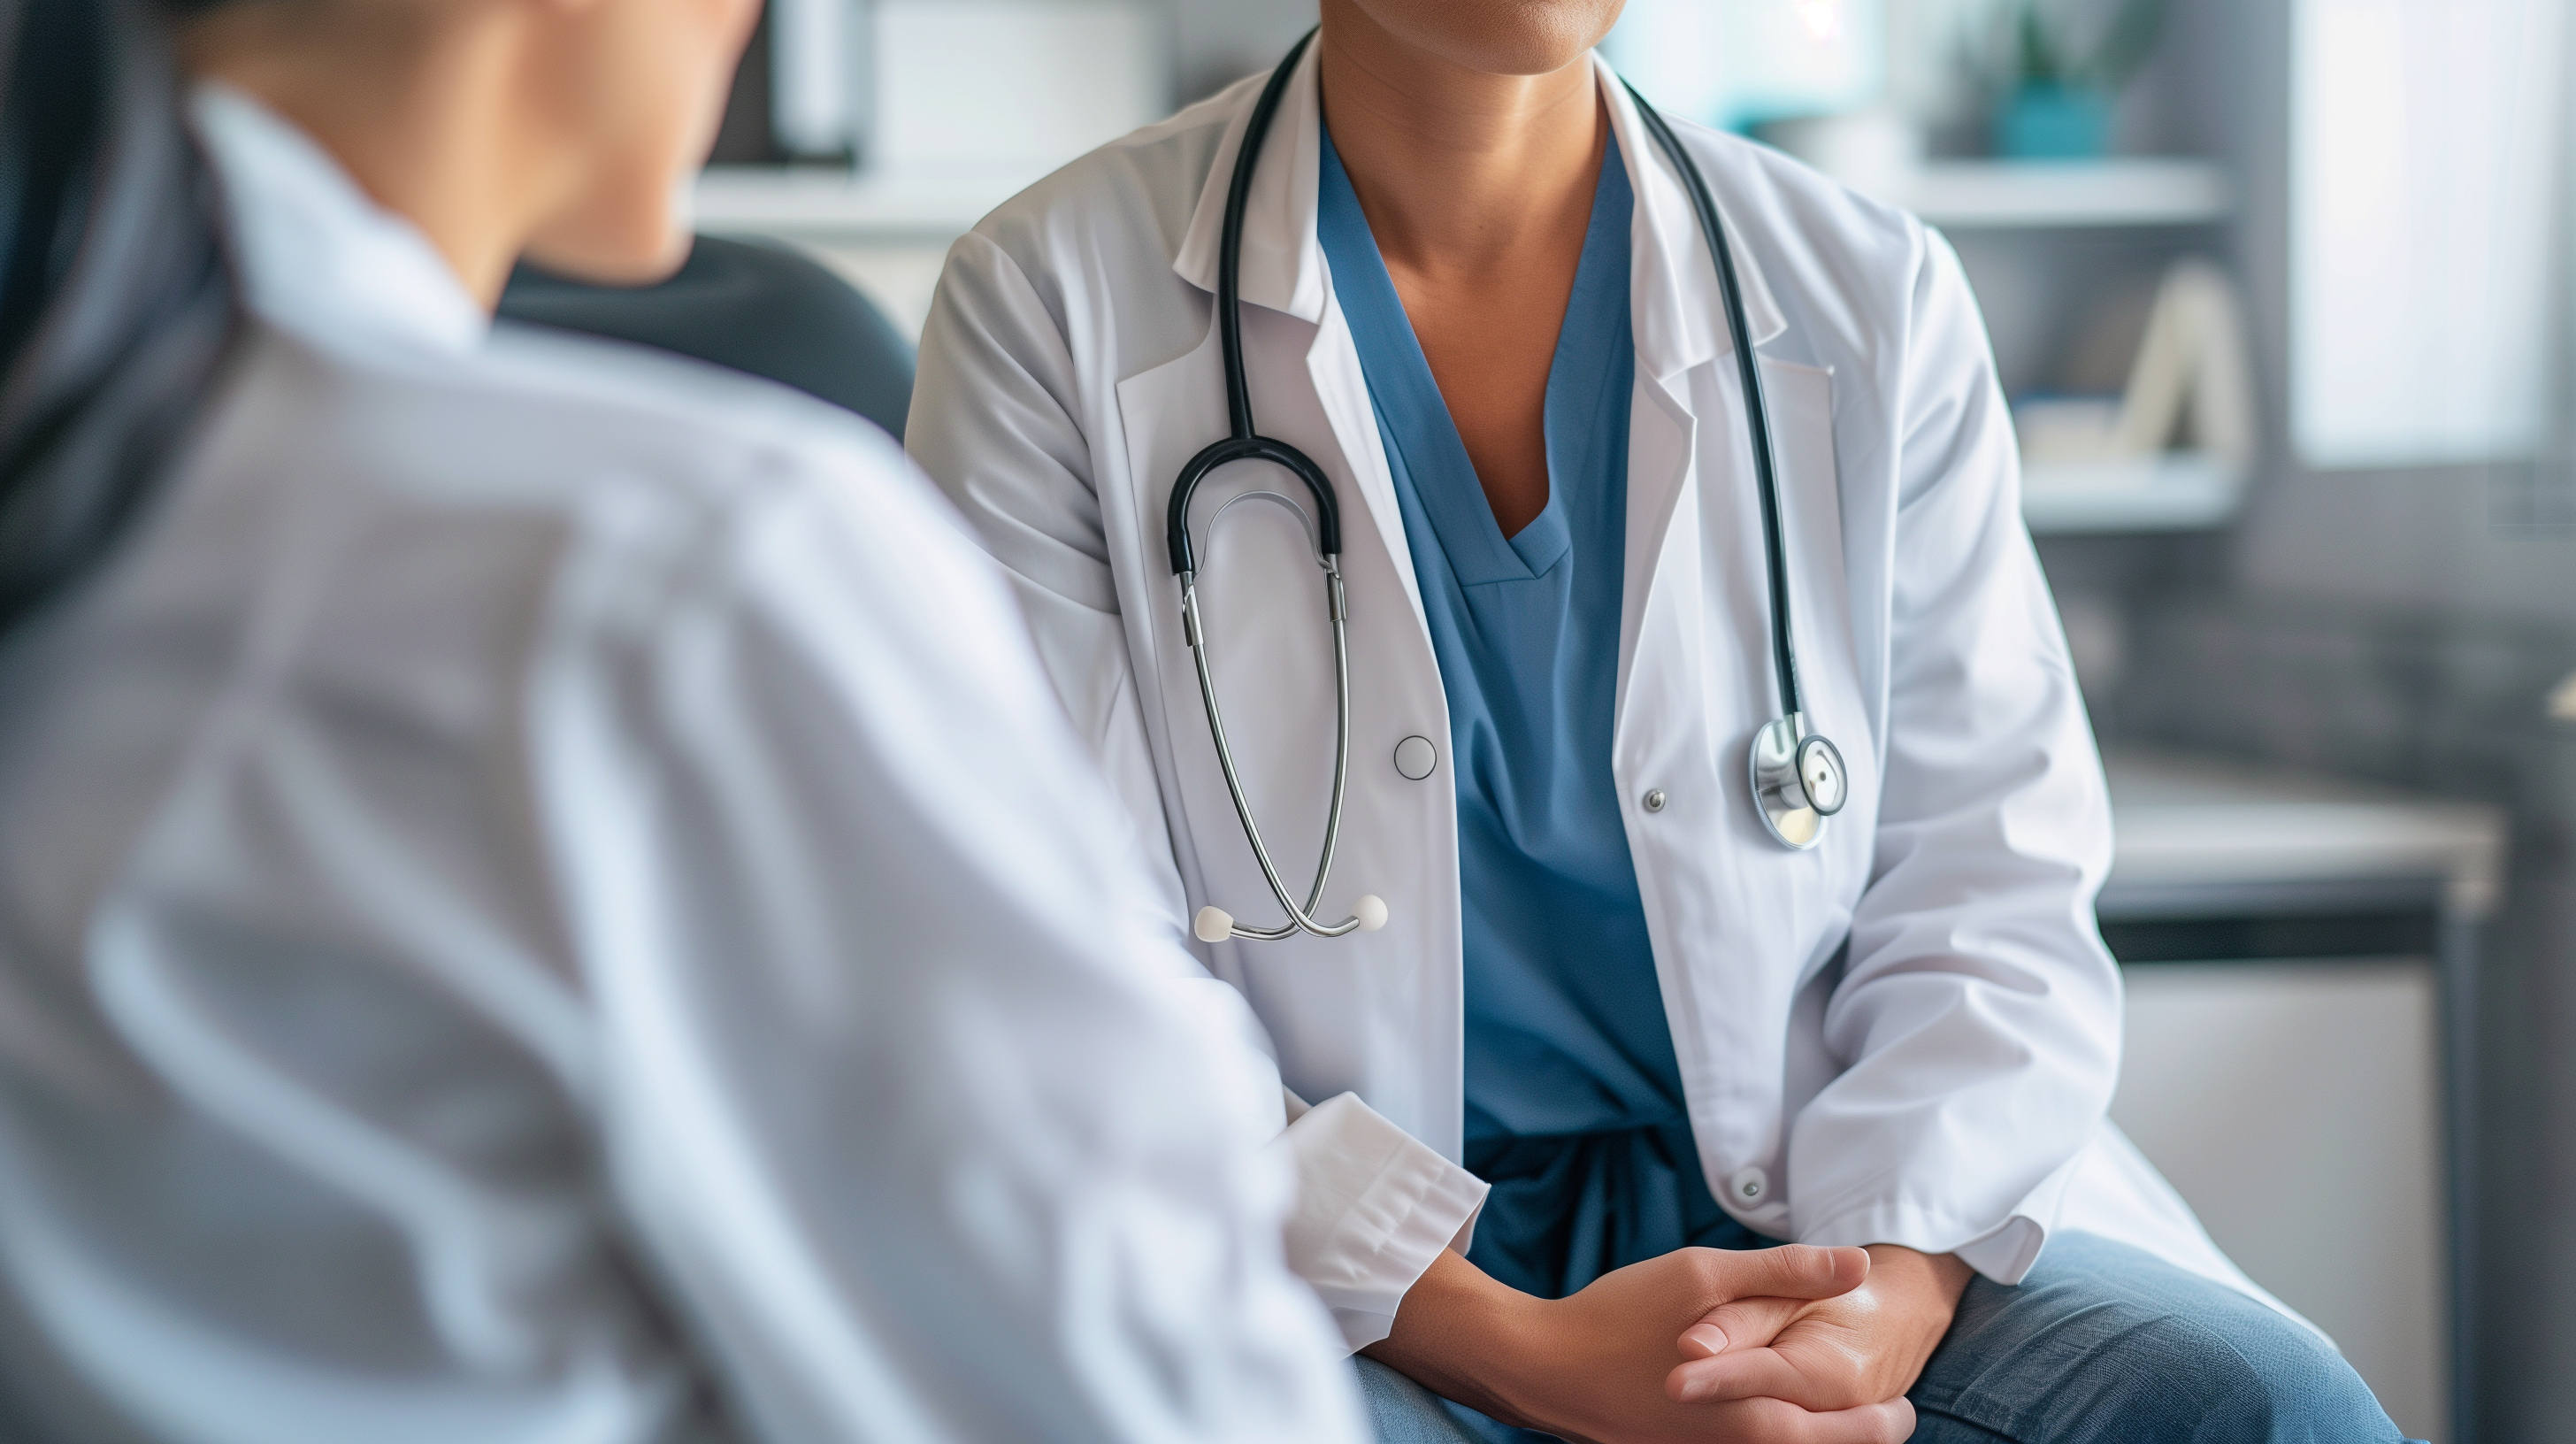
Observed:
{"x":544,"y":899}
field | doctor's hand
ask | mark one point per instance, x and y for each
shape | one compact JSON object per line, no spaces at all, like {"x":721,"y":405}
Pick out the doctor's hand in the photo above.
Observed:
{"x":1593,"y":1367}
{"x":1856,"y":1348}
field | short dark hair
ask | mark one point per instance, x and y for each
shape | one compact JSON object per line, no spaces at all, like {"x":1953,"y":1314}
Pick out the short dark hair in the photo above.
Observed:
{"x":116,"y":303}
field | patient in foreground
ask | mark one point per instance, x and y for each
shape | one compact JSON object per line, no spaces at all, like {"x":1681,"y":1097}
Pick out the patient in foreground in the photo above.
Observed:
{"x":538,"y":897}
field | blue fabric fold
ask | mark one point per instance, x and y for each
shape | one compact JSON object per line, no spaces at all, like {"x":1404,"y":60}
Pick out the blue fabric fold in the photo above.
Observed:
{"x":1574,"y":1098}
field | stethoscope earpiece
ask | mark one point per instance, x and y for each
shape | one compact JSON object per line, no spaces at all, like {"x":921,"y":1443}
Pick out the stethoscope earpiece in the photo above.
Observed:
{"x":1244,"y":443}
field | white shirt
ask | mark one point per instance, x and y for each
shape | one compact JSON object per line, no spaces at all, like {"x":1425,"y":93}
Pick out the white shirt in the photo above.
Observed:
{"x":543,"y":898}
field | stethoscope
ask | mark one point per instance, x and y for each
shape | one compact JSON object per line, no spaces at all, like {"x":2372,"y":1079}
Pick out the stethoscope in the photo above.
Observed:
{"x":1798,"y":777}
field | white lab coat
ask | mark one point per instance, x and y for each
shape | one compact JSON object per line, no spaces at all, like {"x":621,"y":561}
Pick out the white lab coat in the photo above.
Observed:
{"x":543,"y":898}
{"x":1909,"y":1035}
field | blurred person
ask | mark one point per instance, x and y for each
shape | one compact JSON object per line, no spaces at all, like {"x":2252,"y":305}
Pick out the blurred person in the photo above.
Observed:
{"x":1626,"y":971}
{"x":539,"y":897}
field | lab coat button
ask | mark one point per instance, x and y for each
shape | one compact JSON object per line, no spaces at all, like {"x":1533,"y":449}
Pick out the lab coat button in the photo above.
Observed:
{"x":1415,"y":757}
{"x":1655,"y":800}
{"x":1749,"y":1185}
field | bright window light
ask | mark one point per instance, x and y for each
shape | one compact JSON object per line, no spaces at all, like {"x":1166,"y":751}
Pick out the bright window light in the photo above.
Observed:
{"x":1733,"y":62}
{"x":2425,"y":192}
{"x":1014,"y":84}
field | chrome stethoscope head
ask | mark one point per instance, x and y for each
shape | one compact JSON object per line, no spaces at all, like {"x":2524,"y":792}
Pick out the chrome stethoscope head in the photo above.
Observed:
{"x":1798,"y":781}
{"x":1798,"y":776}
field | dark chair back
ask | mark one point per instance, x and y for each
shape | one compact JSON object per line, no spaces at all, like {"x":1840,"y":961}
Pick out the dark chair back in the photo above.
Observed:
{"x":749,"y":306}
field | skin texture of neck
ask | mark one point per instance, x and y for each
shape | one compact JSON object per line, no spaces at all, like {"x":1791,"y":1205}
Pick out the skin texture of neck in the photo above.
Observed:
{"x":1478,"y":185}
{"x":422,"y":105}
{"x":1459,"y":169}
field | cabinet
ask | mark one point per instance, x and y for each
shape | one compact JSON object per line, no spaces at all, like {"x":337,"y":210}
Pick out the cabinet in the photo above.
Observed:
{"x":2301,"y":960}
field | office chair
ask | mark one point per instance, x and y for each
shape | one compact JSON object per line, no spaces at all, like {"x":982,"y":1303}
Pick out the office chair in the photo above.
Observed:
{"x":748,"y":306}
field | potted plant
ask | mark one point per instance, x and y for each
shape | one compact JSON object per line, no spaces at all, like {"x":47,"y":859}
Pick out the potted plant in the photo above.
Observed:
{"x":2058,"y":102}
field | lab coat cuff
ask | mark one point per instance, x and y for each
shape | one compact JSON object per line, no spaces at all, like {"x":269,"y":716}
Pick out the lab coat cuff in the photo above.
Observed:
{"x":1374,"y":1207}
{"x":2004,"y":1252}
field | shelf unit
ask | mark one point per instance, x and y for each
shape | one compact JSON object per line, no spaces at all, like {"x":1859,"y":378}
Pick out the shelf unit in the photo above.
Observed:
{"x":2130,"y":191}
{"x":883,"y":207}
{"x":887,"y":231}
{"x":2178,"y":491}
{"x":824,"y":206}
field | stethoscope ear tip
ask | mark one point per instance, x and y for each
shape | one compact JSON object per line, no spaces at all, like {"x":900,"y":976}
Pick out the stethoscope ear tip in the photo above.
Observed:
{"x":1371,"y":912}
{"x":1214,"y":925}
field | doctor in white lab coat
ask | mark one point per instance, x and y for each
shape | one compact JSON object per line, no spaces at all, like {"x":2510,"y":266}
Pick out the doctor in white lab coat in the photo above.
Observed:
{"x":1906,"y":1037}
{"x":541,"y":897}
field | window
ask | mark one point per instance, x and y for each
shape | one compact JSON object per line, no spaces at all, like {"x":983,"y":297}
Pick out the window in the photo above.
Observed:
{"x":2425,"y":196}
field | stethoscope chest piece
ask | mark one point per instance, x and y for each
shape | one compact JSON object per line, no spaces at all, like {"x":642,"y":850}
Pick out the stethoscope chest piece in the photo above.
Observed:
{"x":1798,"y":781}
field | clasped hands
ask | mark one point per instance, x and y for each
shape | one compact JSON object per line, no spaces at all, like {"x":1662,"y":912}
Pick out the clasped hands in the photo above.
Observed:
{"x":1790,"y":1345}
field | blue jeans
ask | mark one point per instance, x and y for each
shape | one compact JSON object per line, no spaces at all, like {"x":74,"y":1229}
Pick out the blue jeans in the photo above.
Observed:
{"x":2102,"y":1344}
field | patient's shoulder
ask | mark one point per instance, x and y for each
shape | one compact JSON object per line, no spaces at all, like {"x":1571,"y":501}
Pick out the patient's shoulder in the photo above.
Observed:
{"x":538,"y":420}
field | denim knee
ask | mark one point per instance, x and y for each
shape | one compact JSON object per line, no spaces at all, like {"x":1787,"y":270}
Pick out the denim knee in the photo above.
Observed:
{"x":2104,"y":1343}
{"x":2256,"y":1379}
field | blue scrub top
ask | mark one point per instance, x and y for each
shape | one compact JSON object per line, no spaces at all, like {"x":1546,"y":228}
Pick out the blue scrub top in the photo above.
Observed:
{"x":1574,"y":1098}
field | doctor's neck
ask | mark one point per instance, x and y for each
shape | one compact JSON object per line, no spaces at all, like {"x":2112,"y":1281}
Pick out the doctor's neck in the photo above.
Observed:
{"x":1471,"y":129}
{"x":561,"y":129}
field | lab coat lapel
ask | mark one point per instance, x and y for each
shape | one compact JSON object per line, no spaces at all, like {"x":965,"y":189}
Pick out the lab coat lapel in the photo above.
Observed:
{"x":1679,"y":311}
{"x":1283,"y":262}
{"x":1695,"y":670}
{"x":1678,"y":318}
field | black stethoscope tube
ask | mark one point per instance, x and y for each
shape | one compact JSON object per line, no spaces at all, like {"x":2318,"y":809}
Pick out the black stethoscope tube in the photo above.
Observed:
{"x":1243,"y":443}
{"x":1785,"y":759}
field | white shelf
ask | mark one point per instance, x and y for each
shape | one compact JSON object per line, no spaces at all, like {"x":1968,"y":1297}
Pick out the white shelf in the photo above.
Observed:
{"x":2129,"y":191}
{"x":2179,"y":491}
{"x":2184,"y":821}
{"x":828,"y":206}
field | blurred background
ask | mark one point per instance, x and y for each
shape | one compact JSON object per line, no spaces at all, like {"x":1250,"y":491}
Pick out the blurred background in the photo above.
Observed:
{"x":2280,"y":292}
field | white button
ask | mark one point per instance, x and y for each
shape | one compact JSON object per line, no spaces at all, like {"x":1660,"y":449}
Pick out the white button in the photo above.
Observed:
{"x":1416,"y":758}
{"x":1749,"y":1184}
{"x":1655,"y":800}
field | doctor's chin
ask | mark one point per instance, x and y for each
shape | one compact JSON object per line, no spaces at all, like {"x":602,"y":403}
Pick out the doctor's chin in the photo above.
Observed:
{"x":1243,"y":721}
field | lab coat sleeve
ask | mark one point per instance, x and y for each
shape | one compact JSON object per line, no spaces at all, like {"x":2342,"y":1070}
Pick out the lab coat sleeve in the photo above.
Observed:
{"x":890,"y":1097}
{"x":1977,"y":1008}
{"x":1374,"y":1207}
{"x":994,"y":421}
{"x":997,"y":420}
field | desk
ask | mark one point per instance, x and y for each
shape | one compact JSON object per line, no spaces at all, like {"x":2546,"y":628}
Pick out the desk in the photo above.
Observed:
{"x":2302,"y":960}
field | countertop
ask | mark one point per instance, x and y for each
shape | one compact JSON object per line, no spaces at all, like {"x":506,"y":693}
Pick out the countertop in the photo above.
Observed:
{"x":2190,"y":822}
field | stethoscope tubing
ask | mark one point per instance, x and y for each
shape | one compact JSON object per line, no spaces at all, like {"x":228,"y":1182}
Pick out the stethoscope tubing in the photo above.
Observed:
{"x":1229,"y":272}
{"x":1301,"y":919}
{"x":1244,"y":443}
{"x":1757,"y":408}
